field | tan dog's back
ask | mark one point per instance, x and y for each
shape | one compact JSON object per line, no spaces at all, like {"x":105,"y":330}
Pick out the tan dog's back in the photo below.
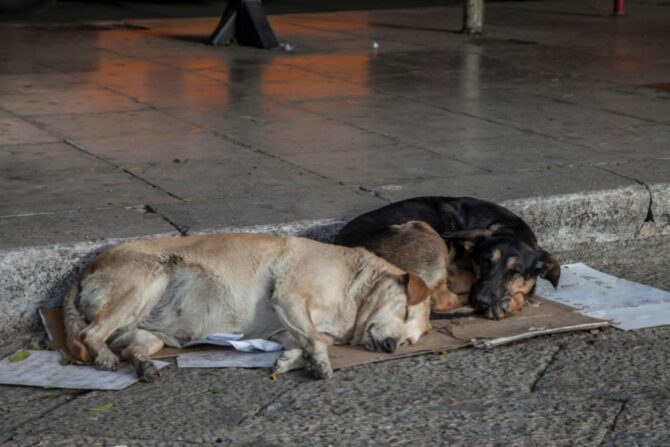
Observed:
{"x":144,"y":294}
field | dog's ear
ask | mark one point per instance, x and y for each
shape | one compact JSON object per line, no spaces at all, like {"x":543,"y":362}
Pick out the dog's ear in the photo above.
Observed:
{"x":549,"y":268}
{"x":468,"y":239}
{"x":416,"y":288}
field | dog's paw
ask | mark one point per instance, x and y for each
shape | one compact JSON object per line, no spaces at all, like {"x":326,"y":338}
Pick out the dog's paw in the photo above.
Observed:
{"x":506,"y":308}
{"x":147,"y":371}
{"x":107,"y":361}
{"x":289,"y":360}
{"x":321,"y":369}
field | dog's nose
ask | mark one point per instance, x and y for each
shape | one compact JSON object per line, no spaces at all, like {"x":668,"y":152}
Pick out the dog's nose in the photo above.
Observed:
{"x":389,"y":345}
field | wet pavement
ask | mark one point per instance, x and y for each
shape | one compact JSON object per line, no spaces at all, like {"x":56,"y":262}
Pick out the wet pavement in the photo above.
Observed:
{"x":133,"y":127}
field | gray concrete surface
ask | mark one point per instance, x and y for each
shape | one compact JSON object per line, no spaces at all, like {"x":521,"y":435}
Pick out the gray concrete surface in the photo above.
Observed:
{"x":603,"y":388}
{"x":127,"y":128}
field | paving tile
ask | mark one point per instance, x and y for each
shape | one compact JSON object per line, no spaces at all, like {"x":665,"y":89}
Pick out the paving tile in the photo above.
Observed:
{"x":161,"y":86}
{"x":518,"y":151}
{"x":506,"y":186}
{"x":238,"y":171}
{"x":84,"y":99}
{"x":38,"y":83}
{"x":166,"y":148}
{"x":82,"y":126}
{"x":280,"y":130}
{"x":381,"y":165}
{"x":270,"y":207}
{"x":81,"y":225}
{"x":407,"y":120}
{"x":570,"y":123}
{"x":56,"y":177}
{"x":18,"y":131}
{"x":637,"y":102}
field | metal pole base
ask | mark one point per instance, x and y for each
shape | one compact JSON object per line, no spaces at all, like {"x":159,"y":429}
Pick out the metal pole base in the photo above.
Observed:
{"x":473,"y":17}
{"x":245,"y":22}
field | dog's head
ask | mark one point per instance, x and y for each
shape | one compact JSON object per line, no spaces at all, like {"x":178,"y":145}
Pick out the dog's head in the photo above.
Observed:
{"x":504,"y":268}
{"x":396,"y":313}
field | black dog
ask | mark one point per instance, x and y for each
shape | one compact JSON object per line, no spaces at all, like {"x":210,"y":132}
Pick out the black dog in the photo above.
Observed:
{"x":494,"y":244}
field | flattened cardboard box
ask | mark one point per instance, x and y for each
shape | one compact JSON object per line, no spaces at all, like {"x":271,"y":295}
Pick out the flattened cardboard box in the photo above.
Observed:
{"x":539,"y":317}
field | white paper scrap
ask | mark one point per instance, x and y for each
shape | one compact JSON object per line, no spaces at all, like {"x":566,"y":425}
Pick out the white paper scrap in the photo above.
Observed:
{"x":227,"y":359}
{"x":628,"y":304}
{"x":42,"y":369}
{"x":234,"y":340}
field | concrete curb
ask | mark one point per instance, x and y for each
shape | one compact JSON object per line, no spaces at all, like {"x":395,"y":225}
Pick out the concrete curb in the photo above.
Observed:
{"x":37,"y":276}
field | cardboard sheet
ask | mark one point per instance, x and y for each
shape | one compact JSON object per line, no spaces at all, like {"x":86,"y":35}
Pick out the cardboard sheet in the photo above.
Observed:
{"x":628,"y":304}
{"x":538,"y":318}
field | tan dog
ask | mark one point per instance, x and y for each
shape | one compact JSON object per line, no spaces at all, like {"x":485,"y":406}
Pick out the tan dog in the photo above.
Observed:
{"x":415,"y":247}
{"x":307,"y":295}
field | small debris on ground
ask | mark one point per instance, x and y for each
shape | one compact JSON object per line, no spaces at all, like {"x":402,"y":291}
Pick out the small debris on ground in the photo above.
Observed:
{"x":19,"y":355}
{"x":101,"y":408}
{"x":286,"y":47}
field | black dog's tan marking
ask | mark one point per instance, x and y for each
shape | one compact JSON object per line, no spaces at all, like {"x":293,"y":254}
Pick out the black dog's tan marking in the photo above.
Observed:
{"x":495,"y":255}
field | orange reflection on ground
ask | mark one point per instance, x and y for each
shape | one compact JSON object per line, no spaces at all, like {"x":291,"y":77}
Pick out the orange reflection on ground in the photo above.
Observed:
{"x":156,"y":84}
{"x":348,"y":75}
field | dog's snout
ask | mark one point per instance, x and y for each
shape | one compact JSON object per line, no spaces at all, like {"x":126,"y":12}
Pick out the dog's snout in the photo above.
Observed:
{"x":389,"y":345}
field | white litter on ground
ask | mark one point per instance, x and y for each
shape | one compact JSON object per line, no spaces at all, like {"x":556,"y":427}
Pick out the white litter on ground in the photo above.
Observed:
{"x":235,"y":341}
{"x":227,"y":359}
{"x":628,"y":304}
{"x":42,"y":369}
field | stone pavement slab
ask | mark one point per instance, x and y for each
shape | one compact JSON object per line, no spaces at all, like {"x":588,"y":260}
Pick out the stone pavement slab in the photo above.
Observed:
{"x":55,"y":177}
{"x":278,"y":207}
{"x":524,"y":111}
{"x":111,"y":124}
{"x":78,"y":99}
{"x":17,"y":131}
{"x":85,"y":225}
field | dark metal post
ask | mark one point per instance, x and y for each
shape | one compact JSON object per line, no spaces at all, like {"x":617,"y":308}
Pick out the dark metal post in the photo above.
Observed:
{"x":245,"y":22}
{"x":473,"y":16}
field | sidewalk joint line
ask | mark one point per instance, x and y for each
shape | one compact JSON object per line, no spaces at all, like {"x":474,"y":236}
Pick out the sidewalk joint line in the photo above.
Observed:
{"x":132,"y":174}
{"x":540,"y":375}
{"x":650,"y":212}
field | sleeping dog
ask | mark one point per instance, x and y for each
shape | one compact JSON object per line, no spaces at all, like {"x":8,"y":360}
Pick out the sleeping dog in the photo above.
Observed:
{"x":142,"y":295}
{"x":495,"y":256}
{"x":416,"y":247}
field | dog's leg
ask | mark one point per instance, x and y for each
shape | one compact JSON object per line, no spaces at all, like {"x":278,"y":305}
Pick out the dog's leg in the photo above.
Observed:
{"x":444,"y":300}
{"x":123,"y":306}
{"x":290,"y":360}
{"x":141,"y":346}
{"x":293,"y":356}
{"x":294,"y":316}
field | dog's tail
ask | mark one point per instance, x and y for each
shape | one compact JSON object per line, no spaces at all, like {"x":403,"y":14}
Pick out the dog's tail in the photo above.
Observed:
{"x":74,"y":324}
